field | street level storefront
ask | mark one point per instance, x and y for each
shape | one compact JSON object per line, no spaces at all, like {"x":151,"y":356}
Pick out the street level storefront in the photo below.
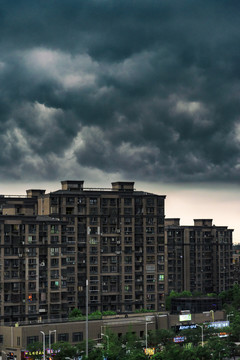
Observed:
{"x":16,"y":338}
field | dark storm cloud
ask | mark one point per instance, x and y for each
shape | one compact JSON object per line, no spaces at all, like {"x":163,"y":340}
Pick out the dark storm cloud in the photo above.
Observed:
{"x":145,"y":89}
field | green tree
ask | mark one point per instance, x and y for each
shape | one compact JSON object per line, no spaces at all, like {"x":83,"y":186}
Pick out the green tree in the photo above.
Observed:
{"x":36,"y":349}
{"x":219,"y":348}
{"x":174,"y":294}
{"x":235,"y":326}
{"x":64,"y":350}
{"x":81,"y":347}
{"x":75,"y":313}
{"x":160,"y":337}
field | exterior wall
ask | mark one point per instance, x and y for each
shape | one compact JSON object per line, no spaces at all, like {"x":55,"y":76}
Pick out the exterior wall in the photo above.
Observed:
{"x":16,"y":339}
{"x":199,"y":257}
{"x":118,"y":234}
{"x":34,"y":262}
{"x":114,"y":238}
{"x":170,"y":321}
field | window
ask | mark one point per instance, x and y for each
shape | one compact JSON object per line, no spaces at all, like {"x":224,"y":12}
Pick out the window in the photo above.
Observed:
{"x":32,"y":251}
{"x":32,"y":229}
{"x":54,"y":262}
{"x":54,"y":251}
{"x":54,"y":239}
{"x":54,"y":274}
{"x":128,"y":240}
{"x":1,"y":339}
{"x":161,"y":277}
{"x":32,"y":339}
{"x":127,"y":201}
{"x":77,"y":337}
{"x":93,"y":241}
{"x":93,"y":201}
{"x":127,"y":211}
{"x":128,"y":259}
{"x":127,"y":220}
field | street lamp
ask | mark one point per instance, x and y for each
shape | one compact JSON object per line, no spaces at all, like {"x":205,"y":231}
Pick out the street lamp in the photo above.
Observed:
{"x":43,"y":334}
{"x":148,"y":321}
{"x":201,"y":326}
{"x":50,"y":332}
{"x":86,"y":318}
{"x":228,"y":316}
{"x":107,"y":341}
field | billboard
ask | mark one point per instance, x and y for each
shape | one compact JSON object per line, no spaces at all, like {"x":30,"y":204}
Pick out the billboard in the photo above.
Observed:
{"x":185,"y":317}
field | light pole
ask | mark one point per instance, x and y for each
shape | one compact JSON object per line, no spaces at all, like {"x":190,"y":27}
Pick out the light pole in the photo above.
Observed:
{"x":201,"y":326}
{"x":229,"y":315}
{"x":43,"y":334}
{"x":50,"y":332}
{"x":107,"y":341}
{"x":86,"y":318}
{"x":148,"y":321}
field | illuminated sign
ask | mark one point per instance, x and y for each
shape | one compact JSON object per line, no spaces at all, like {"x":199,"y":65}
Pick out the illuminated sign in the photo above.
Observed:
{"x":149,"y":351}
{"x":185,"y":317}
{"x":219,"y":324}
{"x":186,"y":327}
{"x":223,"y":334}
{"x":179,"y":339}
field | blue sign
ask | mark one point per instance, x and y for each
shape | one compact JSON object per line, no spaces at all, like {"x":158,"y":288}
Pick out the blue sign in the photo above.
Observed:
{"x":186,"y":327}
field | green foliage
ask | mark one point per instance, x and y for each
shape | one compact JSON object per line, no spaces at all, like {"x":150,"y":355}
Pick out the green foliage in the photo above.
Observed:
{"x":212,"y":295}
{"x":174,"y":294}
{"x":235,"y":326}
{"x":160,"y":337}
{"x":35,"y":347}
{"x":81,"y":347}
{"x":95,"y":315}
{"x":231,"y":297}
{"x":75,"y":313}
{"x":64,"y":349}
{"x":219,"y":348}
{"x":108,"y":313}
{"x":142,"y":311}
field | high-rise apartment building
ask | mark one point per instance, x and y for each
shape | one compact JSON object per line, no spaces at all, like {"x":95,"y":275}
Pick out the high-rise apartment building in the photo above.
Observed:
{"x":199,"y":257}
{"x":52,"y":243}
{"x":114,"y":238}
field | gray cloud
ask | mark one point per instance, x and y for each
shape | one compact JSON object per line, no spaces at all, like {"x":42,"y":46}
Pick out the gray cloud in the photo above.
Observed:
{"x":146,"y":90}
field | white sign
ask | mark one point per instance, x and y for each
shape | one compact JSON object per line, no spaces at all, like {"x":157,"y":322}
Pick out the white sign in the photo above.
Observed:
{"x":186,"y":317}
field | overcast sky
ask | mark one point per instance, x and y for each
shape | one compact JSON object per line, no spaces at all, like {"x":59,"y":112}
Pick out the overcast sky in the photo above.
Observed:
{"x":144,"y":90}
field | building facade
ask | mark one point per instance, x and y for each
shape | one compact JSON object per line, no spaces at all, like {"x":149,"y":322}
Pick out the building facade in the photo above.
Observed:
{"x":52,"y":243}
{"x":16,"y":339}
{"x":199,"y":257}
{"x":108,"y":247}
